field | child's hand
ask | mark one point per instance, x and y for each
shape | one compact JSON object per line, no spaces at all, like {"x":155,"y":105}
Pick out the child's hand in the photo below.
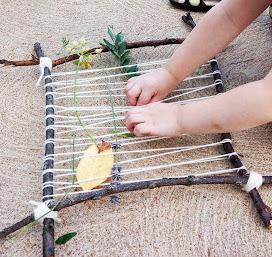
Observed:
{"x":150,"y":87}
{"x":155,"y":119}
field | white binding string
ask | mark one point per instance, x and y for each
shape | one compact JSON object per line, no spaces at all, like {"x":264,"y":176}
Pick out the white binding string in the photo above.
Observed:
{"x":255,"y":180}
{"x":42,"y":211}
{"x":45,"y":62}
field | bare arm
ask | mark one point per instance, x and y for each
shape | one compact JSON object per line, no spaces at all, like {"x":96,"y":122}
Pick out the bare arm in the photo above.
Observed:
{"x":213,"y":33}
{"x":244,"y":107}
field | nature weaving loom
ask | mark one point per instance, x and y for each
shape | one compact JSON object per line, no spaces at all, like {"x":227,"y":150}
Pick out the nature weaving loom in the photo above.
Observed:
{"x":94,"y":100}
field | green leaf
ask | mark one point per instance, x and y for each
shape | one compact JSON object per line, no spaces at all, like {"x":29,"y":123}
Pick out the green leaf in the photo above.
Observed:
{"x":110,"y":32}
{"x":65,"y":238}
{"x":119,"y":39}
{"x":127,"y":135}
{"x":115,"y":131}
{"x":125,"y":58}
{"x":122,"y":48}
{"x":109,"y":45}
{"x":132,"y":69}
{"x":65,"y":42}
{"x":125,"y":62}
{"x":76,"y":62}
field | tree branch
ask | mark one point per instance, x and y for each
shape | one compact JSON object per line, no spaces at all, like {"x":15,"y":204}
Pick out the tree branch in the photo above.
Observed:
{"x":135,"y":186}
{"x":72,"y":57}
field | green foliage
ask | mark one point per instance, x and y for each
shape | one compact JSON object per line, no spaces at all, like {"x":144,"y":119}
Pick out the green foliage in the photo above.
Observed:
{"x":65,"y":42}
{"x":118,"y":47}
{"x":127,"y":135}
{"x":65,"y":238}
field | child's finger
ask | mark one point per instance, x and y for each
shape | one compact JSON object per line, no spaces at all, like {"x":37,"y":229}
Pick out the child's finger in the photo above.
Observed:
{"x":133,"y":94}
{"x":132,"y":120}
{"x":141,"y":130}
{"x":129,"y":85}
{"x":155,"y":98}
{"x":144,"y":97}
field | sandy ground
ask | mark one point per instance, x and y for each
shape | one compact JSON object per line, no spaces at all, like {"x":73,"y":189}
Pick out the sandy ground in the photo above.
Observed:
{"x":177,"y":221}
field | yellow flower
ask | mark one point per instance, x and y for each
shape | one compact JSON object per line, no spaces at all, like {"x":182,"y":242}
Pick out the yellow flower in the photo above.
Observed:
{"x":74,"y":44}
{"x":82,"y":41}
{"x":85,"y":49}
{"x":86,"y":64}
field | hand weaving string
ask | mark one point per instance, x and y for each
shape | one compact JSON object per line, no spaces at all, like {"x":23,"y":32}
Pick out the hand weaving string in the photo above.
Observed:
{"x":97,"y":118}
{"x":146,"y":162}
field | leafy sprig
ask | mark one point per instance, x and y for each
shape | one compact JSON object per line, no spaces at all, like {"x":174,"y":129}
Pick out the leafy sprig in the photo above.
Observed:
{"x":118,"y":47}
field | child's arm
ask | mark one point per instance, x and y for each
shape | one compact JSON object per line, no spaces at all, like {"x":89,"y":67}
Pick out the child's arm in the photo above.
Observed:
{"x":241,"y":108}
{"x":213,"y":33}
{"x":244,"y":107}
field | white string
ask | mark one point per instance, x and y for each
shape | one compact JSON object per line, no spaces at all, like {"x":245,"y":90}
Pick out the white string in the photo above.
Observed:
{"x":124,"y":74}
{"x":91,"y":94}
{"x":45,"y":62}
{"x":109,"y":68}
{"x":151,"y":168}
{"x":79,"y":93}
{"x":206,"y":173}
{"x":123,"y":142}
{"x":255,"y":180}
{"x":192,"y":147}
{"x":91,"y":85}
{"x":187,"y":93}
{"x":42,"y":211}
{"x":84,"y":80}
{"x":118,"y":108}
{"x":188,"y":148}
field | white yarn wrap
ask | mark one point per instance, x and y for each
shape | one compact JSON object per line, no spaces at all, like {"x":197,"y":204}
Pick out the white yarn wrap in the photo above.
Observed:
{"x":255,"y":180}
{"x":42,"y":211}
{"x":44,"y":62}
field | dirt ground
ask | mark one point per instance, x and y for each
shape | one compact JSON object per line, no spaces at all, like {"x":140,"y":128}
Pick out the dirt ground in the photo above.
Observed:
{"x":174,"y":221}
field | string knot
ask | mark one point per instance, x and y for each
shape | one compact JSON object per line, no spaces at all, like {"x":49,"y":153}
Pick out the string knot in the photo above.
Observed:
{"x":116,"y":146}
{"x":255,"y":180}
{"x":45,"y":62}
{"x":116,"y":173}
{"x":42,"y":211}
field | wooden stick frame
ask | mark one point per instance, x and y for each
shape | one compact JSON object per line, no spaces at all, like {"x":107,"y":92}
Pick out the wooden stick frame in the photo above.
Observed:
{"x":48,"y":225}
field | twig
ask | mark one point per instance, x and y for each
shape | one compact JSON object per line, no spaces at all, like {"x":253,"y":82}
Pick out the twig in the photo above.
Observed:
{"x":72,"y":57}
{"x":134,"y":186}
{"x":48,"y":229}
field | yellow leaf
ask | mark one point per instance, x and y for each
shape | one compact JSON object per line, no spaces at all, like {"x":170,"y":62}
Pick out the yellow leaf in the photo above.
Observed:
{"x":96,"y":162}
